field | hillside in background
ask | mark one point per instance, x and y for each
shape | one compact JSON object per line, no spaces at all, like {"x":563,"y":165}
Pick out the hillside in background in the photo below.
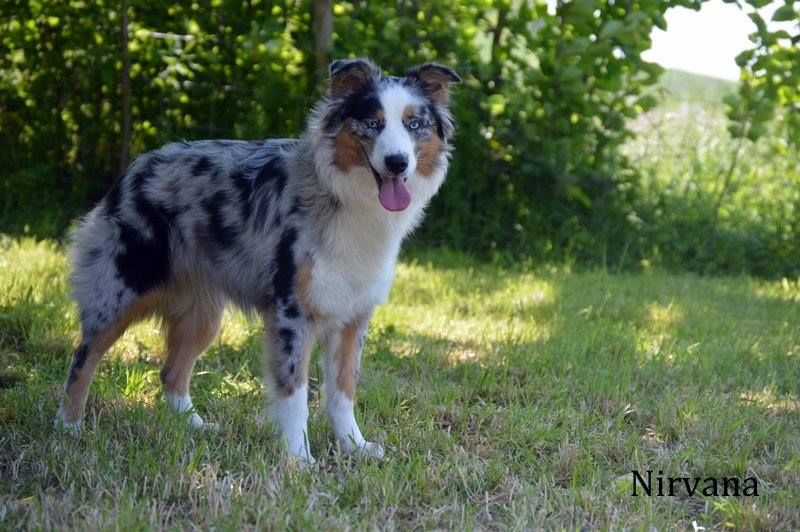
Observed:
{"x":679,"y":85}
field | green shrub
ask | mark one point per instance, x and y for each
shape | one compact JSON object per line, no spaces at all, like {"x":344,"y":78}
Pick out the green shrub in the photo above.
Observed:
{"x":544,"y":112}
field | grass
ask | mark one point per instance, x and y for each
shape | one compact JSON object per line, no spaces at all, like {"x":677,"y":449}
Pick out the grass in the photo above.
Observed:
{"x":515,"y":397}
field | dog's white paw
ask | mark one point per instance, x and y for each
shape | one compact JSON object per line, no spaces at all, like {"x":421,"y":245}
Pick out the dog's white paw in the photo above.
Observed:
{"x":196,"y":422}
{"x":303,"y":460}
{"x":365,"y":449}
{"x":372,"y":450}
{"x":182,"y":405}
{"x":73,"y":428}
{"x":297,"y":449}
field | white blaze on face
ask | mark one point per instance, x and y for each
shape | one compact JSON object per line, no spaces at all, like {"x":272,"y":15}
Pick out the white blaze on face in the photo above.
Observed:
{"x":394,"y":141}
{"x":395,"y":138}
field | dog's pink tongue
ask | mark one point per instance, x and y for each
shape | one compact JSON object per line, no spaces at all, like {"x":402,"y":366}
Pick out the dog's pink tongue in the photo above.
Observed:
{"x":394,"y":194}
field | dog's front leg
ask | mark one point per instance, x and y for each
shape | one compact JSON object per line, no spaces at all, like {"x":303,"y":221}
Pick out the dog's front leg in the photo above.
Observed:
{"x":288,"y":346}
{"x":342,"y":365}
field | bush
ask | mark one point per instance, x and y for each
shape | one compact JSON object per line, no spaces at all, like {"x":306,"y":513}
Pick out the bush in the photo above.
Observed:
{"x":542,"y":115}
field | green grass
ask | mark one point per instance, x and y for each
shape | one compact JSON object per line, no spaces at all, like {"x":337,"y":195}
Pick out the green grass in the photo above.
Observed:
{"x":505,"y":397}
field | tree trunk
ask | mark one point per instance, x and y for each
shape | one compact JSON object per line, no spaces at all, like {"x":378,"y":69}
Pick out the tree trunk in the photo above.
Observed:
{"x":125,"y":82}
{"x":323,"y":31}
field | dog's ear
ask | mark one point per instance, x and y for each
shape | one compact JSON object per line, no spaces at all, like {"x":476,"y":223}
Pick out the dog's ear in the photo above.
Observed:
{"x":436,"y":79}
{"x":348,"y":75}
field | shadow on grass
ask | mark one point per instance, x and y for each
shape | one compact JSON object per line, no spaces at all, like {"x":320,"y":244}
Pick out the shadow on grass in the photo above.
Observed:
{"x":650,"y":371}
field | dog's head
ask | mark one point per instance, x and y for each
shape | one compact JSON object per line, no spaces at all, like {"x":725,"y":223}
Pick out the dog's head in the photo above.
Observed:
{"x":388,"y":136}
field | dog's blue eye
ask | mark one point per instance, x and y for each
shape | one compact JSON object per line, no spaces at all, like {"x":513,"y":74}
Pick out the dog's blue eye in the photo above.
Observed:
{"x":414,"y":124}
{"x":372,"y":124}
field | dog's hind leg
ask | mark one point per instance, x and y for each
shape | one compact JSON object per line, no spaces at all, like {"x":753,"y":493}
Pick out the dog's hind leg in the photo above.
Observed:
{"x":189,"y":333}
{"x":342,"y":362}
{"x":97,"y":339}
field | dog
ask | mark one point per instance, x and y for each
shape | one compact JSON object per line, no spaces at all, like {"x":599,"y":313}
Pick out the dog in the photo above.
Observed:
{"x":303,"y":232}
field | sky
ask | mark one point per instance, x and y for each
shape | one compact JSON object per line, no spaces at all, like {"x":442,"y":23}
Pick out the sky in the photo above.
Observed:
{"x":705,"y":42}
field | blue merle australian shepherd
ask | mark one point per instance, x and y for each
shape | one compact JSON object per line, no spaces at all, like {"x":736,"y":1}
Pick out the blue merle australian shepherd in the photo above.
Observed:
{"x":305,"y":232}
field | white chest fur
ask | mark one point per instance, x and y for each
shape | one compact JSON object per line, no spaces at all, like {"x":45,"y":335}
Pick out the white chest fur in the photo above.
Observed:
{"x":352,"y":271}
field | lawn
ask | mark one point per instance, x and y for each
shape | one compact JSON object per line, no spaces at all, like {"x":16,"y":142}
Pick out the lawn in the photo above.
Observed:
{"x":506,"y":397}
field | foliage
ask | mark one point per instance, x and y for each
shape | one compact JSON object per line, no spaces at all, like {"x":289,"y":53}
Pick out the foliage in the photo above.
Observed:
{"x":709,"y":202}
{"x":507,"y":399}
{"x":770,"y":76}
{"x":226,"y":69}
{"x":541,"y":115}
{"x":545,"y":110}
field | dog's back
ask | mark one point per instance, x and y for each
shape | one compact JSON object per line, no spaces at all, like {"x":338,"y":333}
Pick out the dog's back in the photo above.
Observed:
{"x":189,"y":208}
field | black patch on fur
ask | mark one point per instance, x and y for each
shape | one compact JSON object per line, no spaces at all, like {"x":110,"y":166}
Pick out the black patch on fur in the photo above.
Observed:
{"x":202,"y":166}
{"x":78,"y":360}
{"x":284,"y":267}
{"x":272,"y":172}
{"x":359,"y":105}
{"x":268,"y":185}
{"x":297,"y":206}
{"x":244,"y":189}
{"x":144,"y":263}
{"x":437,"y":118}
{"x":147,"y":171}
{"x":222,"y":236}
{"x":291,"y":311}
{"x":287,"y":337}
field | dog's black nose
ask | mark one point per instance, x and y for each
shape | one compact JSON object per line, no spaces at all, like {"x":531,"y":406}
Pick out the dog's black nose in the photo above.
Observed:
{"x":396,"y":163}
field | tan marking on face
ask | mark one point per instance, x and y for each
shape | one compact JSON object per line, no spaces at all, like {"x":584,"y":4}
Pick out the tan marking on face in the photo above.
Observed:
{"x":430,"y":150}
{"x":345,"y":357}
{"x":347,"y":151}
{"x":409,"y":112}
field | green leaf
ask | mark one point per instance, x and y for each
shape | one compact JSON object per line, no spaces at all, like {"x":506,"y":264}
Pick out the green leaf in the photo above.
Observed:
{"x":611,"y":29}
{"x":659,"y":21}
{"x":743,"y":58}
{"x":759,"y":22}
{"x":575,"y":193}
{"x":756,"y":131}
{"x":647,"y":102}
{"x":785,"y":13}
{"x":735,"y":130}
{"x":497,"y":104}
{"x":570,"y":73}
{"x":731,"y":100}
